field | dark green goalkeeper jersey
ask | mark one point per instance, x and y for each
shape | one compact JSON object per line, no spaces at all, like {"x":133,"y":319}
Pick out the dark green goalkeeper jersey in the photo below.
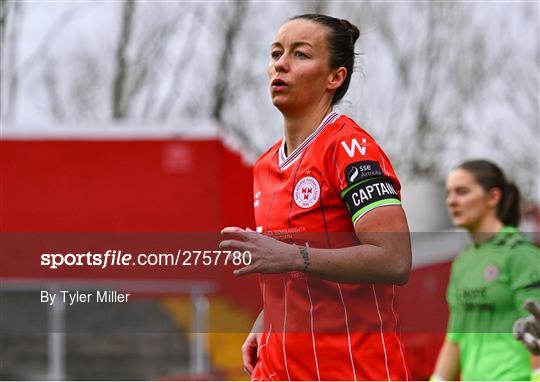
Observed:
{"x":488,"y":284}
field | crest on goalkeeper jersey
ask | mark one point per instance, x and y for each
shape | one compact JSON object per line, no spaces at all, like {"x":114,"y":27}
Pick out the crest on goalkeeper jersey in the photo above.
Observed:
{"x":491,"y":272}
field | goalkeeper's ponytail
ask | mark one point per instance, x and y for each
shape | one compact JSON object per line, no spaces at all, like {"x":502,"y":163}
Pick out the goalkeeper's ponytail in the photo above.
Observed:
{"x":489,"y":176}
{"x":509,"y":208}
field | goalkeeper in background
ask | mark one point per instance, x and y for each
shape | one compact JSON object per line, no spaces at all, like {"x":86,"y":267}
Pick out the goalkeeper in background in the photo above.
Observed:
{"x":489,"y":281}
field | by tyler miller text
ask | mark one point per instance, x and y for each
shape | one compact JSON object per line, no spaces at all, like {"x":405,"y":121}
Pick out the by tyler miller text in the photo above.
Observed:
{"x":78,"y":297}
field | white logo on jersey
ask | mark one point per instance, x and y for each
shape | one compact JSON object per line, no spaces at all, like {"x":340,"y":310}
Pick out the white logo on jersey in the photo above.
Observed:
{"x":256,"y":200}
{"x":306,"y":192}
{"x":491,"y":272}
{"x":353,"y":147}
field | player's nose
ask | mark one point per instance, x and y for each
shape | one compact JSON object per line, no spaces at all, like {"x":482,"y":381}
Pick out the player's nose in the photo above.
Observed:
{"x":451,"y":199}
{"x":282,"y":63}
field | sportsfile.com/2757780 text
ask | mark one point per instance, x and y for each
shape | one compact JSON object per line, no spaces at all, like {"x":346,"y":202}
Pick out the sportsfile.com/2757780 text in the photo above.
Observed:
{"x":111,"y":258}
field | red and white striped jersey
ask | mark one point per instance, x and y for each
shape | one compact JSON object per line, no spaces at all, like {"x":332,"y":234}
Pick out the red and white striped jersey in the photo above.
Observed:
{"x":317,"y":329}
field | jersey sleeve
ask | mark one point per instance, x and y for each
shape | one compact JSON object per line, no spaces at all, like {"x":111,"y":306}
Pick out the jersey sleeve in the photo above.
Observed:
{"x":361,"y":173}
{"x":524,"y":274}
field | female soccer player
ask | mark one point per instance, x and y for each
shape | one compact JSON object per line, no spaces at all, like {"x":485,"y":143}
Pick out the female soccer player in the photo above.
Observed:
{"x":489,"y":281}
{"x":332,"y":239}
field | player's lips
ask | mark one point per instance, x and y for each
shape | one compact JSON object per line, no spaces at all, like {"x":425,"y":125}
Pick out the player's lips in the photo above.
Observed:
{"x":278,"y":84}
{"x":455,"y":214}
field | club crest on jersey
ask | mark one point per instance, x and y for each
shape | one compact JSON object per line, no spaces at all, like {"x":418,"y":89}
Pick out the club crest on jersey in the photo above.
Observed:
{"x":307,"y":192}
{"x":491,"y":272}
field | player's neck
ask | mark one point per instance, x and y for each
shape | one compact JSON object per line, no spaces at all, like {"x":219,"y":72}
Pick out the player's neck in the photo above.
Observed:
{"x":486,"y":229}
{"x":300,"y":126}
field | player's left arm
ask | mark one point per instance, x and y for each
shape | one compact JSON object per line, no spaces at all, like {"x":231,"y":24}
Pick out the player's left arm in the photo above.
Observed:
{"x":360,"y":172}
{"x":383,"y":257}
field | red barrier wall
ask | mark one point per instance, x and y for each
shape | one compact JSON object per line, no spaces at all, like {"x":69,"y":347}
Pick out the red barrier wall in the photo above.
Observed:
{"x":122,"y":186}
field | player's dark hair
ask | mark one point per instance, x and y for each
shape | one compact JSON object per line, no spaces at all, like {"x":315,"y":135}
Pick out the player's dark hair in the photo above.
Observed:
{"x":342,"y":36}
{"x":489,"y":176}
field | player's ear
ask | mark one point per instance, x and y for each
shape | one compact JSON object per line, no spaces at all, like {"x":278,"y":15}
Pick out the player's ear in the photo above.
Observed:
{"x":336,"y":78}
{"x":494,"y":197}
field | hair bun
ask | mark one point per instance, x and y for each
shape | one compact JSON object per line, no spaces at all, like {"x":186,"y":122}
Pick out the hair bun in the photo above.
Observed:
{"x":353,"y":29}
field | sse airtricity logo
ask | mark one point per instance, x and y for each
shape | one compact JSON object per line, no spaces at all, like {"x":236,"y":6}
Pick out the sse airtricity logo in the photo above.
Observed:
{"x":307,"y":192}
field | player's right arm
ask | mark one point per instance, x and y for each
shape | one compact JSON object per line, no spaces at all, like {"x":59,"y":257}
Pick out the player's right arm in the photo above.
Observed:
{"x":447,"y":366}
{"x":250,"y":347}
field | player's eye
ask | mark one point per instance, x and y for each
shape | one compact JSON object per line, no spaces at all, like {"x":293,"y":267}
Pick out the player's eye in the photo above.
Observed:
{"x":276,"y":54}
{"x":300,"y":54}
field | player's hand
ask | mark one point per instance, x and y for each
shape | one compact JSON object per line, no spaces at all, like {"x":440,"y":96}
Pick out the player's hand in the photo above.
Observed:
{"x":527,"y":329}
{"x":250,"y":348}
{"x":268,"y":255}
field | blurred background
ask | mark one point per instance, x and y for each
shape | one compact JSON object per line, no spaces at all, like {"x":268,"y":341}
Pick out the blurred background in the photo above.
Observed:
{"x":146,"y":117}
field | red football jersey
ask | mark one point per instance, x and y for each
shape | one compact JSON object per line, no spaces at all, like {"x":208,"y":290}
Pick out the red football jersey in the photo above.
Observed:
{"x":317,"y":329}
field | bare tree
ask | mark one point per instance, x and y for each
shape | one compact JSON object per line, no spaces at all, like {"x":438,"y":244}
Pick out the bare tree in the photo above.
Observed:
{"x":231,"y":30}
{"x":185,"y":57}
{"x":119,"y":103}
{"x":224,"y":92}
{"x":10,"y":24}
{"x":4,"y":11}
{"x":86,"y":89}
{"x":16,"y":70}
{"x":152,"y":69}
{"x":140,"y":81}
{"x":33,"y":60}
{"x":515,"y":85}
{"x":136,"y":80}
{"x":50,"y":78}
{"x":439,"y":74}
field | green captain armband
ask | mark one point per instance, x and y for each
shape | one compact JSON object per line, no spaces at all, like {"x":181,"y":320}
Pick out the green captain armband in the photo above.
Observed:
{"x":366,"y":195}
{"x":535,"y":375}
